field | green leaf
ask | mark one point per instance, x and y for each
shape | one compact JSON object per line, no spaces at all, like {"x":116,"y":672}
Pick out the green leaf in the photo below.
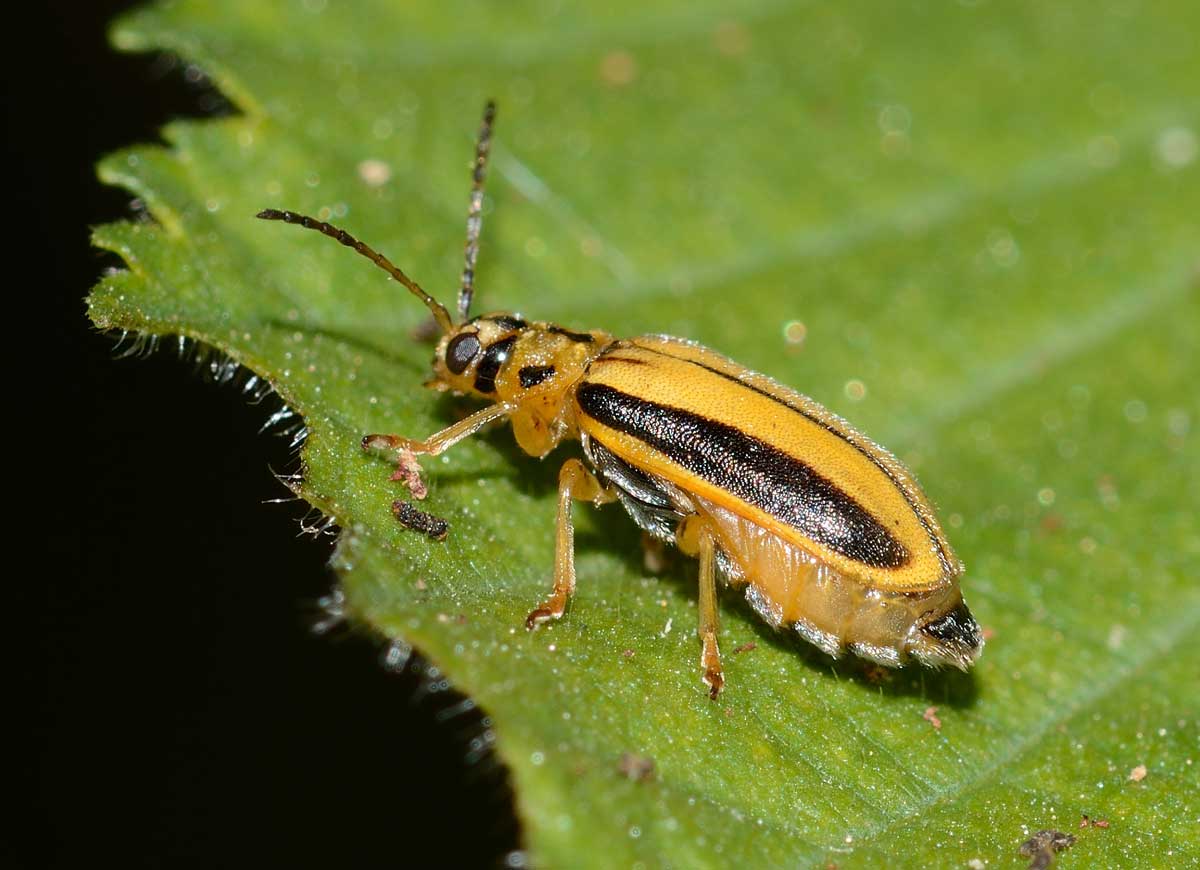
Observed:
{"x":986,"y":218}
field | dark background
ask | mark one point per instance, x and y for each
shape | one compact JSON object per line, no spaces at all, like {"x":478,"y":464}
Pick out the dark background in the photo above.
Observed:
{"x":182,"y":712}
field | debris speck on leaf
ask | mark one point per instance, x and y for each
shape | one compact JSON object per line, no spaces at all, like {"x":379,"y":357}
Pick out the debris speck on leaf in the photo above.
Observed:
{"x":1087,"y":822}
{"x":419,"y":521}
{"x":638,"y":768}
{"x":1138,"y":773}
{"x":1042,"y":847}
{"x":746,"y":647}
{"x":930,"y":715}
{"x":409,"y":471}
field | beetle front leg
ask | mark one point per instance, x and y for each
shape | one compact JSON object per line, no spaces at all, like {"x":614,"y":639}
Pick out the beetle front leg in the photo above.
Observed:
{"x":695,"y":538}
{"x":440,"y":441}
{"x":575,"y":482}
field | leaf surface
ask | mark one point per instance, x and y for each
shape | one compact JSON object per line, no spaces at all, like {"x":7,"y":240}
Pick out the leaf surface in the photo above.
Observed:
{"x":981,"y":219}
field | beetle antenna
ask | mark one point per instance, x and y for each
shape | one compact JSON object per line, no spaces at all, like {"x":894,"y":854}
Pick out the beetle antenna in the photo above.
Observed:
{"x":440,"y":314}
{"x":483,"y":147}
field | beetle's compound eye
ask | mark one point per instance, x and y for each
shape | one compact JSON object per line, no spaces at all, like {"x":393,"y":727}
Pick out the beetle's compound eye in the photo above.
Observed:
{"x":461,"y":350}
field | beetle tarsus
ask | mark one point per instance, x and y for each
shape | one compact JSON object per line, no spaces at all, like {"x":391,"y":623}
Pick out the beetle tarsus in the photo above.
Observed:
{"x":547,"y":612}
{"x":381,"y":442}
{"x":710,"y":660}
{"x":715,"y":682}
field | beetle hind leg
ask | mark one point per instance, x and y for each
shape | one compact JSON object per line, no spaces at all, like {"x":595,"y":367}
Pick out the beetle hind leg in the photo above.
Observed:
{"x":576,"y":483}
{"x":695,"y":538}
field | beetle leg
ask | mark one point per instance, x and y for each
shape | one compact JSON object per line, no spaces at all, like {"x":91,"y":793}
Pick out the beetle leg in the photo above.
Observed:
{"x":710,"y":655}
{"x":440,"y":441}
{"x":574,"y":482}
{"x":695,"y":538}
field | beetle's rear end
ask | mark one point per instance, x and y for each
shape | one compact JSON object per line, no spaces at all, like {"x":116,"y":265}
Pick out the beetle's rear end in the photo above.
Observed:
{"x":790,"y":588}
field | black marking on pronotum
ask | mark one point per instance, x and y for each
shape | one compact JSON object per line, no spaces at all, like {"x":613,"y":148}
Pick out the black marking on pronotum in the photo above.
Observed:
{"x":489,"y":366}
{"x":504,"y":321}
{"x":531,"y":376}
{"x":419,"y":521}
{"x":874,"y":460}
{"x":752,"y":470}
{"x":581,"y":337}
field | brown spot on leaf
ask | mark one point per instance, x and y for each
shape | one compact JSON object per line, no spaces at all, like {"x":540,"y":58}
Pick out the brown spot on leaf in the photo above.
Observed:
{"x":618,"y":68}
{"x":1043,"y":846}
{"x":930,"y":715}
{"x":409,"y":471}
{"x":638,"y":768}
{"x":1052,"y":523}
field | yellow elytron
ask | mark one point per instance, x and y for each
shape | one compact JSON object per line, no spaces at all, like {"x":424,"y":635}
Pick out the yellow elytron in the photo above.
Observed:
{"x":825,"y":531}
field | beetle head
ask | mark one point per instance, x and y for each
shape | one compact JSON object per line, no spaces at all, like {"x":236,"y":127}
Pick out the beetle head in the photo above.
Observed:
{"x":503,"y":358}
{"x":469,"y":357}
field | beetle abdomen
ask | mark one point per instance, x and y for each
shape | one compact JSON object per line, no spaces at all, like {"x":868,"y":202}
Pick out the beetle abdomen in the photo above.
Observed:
{"x":716,"y":429}
{"x":791,"y":589}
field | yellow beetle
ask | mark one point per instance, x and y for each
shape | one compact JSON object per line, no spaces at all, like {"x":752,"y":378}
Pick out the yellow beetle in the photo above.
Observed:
{"x":827,"y":533}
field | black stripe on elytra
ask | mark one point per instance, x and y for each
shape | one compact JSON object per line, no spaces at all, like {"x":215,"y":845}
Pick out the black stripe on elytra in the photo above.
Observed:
{"x":581,"y":337}
{"x":531,"y":376}
{"x":874,"y":460}
{"x":754,"y":471}
{"x":493,"y":357}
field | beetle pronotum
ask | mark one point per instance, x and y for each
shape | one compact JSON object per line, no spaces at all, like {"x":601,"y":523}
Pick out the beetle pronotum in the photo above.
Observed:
{"x":826,"y":532}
